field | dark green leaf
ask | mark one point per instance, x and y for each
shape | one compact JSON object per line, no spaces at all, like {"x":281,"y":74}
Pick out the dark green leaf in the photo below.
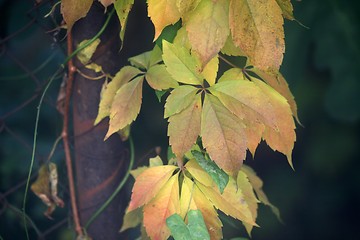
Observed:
{"x":160,"y":93}
{"x":168,"y":33}
{"x":220,"y":177}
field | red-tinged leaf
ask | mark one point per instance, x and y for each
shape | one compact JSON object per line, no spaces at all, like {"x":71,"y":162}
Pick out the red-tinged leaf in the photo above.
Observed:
{"x":159,"y":78}
{"x":109,"y":90}
{"x":184,"y":128}
{"x":148,"y":184}
{"x":162,"y":13}
{"x":126,"y":105}
{"x":257,"y":29}
{"x":223,"y":135}
{"x":179,"y":99}
{"x":165,"y":204}
{"x":278,"y":82}
{"x":73,"y":10}
{"x":208,"y":28}
{"x":231,"y":202}
{"x":191,"y":193}
{"x":123,"y":8}
{"x":282,"y":139}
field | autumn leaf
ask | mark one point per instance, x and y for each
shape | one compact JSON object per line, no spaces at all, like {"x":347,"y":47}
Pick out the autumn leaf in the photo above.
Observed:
{"x":106,"y":3}
{"x":210,"y":70}
{"x":109,"y":90}
{"x":165,"y":204}
{"x":159,"y":78}
{"x":208,"y":28}
{"x":198,"y":173}
{"x":85,"y":55}
{"x":179,"y":99}
{"x":233,"y":74}
{"x":223,"y":135}
{"x":230,"y":49}
{"x":148,"y":184}
{"x":182,"y":66}
{"x":73,"y":10}
{"x":162,"y":13}
{"x":257,"y":29}
{"x":186,"y":6}
{"x":181,"y":38}
{"x":126,"y":105}
{"x":286,"y":8}
{"x":184,"y":127}
{"x":132,"y":219}
{"x":123,"y":8}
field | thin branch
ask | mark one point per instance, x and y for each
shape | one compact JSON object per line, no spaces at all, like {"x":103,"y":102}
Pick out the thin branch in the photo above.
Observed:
{"x":64,"y":134}
{"x":228,"y":62}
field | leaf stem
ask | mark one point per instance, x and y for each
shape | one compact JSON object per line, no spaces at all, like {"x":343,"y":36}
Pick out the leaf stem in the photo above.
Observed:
{"x":117,"y":190}
{"x":228,"y":62}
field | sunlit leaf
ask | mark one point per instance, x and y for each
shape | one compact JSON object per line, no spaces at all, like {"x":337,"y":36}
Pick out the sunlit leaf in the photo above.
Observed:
{"x":126,"y":105}
{"x":132,"y":219}
{"x":208,"y":28}
{"x":148,"y":184}
{"x":165,"y":204}
{"x":159,"y":78}
{"x":123,"y":8}
{"x":286,"y":8}
{"x":73,"y":10}
{"x":210,"y":70}
{"x":181,"y":65}
{"x":223,"y":135}
{"x":218,"y":175}
{"x":179,"y":99}
{"x":257,"y":29}
{"x":184,"y":127}
{"x":162,"y":13}
{"x":109,"y":90}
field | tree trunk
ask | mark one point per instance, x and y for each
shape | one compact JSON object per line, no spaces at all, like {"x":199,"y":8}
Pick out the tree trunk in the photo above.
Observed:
{"x":99,"y":165}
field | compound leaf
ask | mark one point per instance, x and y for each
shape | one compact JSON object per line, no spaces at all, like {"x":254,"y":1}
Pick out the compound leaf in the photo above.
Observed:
{"x":159,"y":79}
{"x":179,"y":99}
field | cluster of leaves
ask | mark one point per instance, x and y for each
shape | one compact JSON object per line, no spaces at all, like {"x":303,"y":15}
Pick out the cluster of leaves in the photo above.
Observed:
{"x":226,"y":114}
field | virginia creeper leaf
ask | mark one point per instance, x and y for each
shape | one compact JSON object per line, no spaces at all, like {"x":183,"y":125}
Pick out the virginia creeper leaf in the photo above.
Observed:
{"x":223,"y":135}
{"x":165,"y":204}
{"x":141,"y":61}
{"x":179,"y":99}
{"x":126,"y":105}
{"x":210,"y":70}
{"x":233,"y":74}
{"x":230,"y":49}
{"x":85,"y":55}
{"x":178,"y":228}
{"x":257,"y":185}
{"x":109,"y":90}
{"x":148,"y":184}
{"x":286,"y":8}
{"x":186,"y":6}
{"x":160,"y":93}
{"x":123,"y":8}
{"x":168,"y":34}
{"x":198,"y":173}
{"x":282,"y":139}
{"x":181,"y":65}
{"x":184,"y":128}
{"x":132,"y":219}
{"x":162,"y":13}
{"x":257,"y":29}
{"x":159,"y":78}
{"x":181,"y":38}
{"x":217,"y":174}
{"x":155,"y":56}
{"x":73,"y":10}
{"x":106,"y":3}
{"x":231,"y":202}
{"x":208,"y":28}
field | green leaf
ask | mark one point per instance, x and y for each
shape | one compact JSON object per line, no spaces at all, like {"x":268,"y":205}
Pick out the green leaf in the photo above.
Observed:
{"x":195,"y":230}
{"x":160,"y":93}
{"x":208,"y":28}
{"x":132,"y":219}
{"x":73,"y":10}
{"x":109,"y":90}
{"x":126,"y":105}
{"x":141,"y":61}
{"x":123,"y":8}
{"x":231,"y":75}
{"x":85,"y":55}
{"x":223,"y":135}
{"x":186,"y":6}
{"x":182,"y":66}
{"x":159,"y":78}
{"x":168,"y":34}
{"x":218,"y":175}
{"x":181,"y":38}
{"x":210,"y":70}
{"x":286,"y":8}
{"x":155,"y":56}
{"x":179,"y":99}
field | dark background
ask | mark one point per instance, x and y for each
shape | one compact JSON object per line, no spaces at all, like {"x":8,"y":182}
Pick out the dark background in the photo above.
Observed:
{"x":320,"y":200}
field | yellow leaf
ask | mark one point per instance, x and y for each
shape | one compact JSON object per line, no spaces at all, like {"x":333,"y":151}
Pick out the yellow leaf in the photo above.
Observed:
{"x":123,"y":8}
{"x":208,"y":28}
{"x":126,"y":105}
{"x":179,"y":99}
{"x":281,"y":139}
{"x":198,"y":173}
{"x":186,"y":6}
{"x":162,"y":13}
{"x":210,"y":70}
{"x":233,"y":74}
{"x":230,"y":49}
{"x":257,"y":29}
{"x":231,"y":202}
{"x":184,"y":128}
{"x":223,"y":135}
{"x":181,"y":38}
{"x":159,"y":78}
{"x":85,"y":55}
{"x":200,"y":202}
{"x":187,"y":197}
{"x":73,"y":10}
{"x":148,"y":184}
{"x":109,"y":90}
{"x":165,"y":204}
{"x":286,"y":8}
